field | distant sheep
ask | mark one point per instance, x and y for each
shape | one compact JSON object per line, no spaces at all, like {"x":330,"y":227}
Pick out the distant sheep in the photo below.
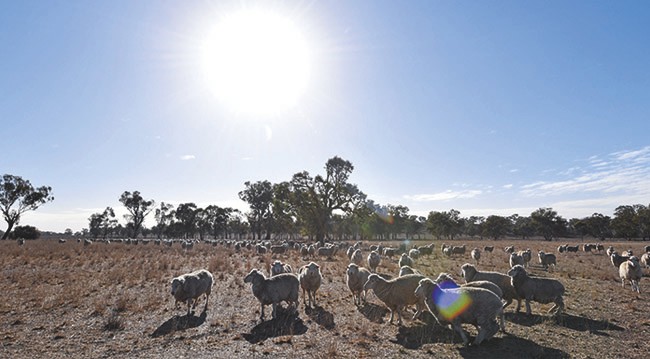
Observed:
{"x":414,"y":253}
{"x":273,"y":290}
{"x":546,"y":259}
{"x":476,"y":254}
{"x":458,"y":250}
{"x":87,"y":242}
{"x":21,"y":241}
{"x":356,"y":277}
{"x":310,"y":279}
{"x":445,"y":279}
{"x":389,"y":252}
{"x":471,"y":274}
{"x":373,"y":261}
{"x":328,"y":252}
{"x":516,"y":258}
{"x":190,"y":286}
{"x":350,"y":252}
{"x":526,"y":255}
{"x":631,"y":271}
{"x":609,"y":251}
{"x":278,"y":249}
{"x":509,"y":249}
{"x":600,"y":247}
{"x":482,"y":309}
{"x":562,"y":248}
{"x":357,"y":257}
{"x":488,"y":249}
{"x":573,"y":249}
{"x":61,"y":240}
{"x":278,"y":267}
{"x":404,"y":270}
{"x":396,"y":293}
{"x":645,"y":259}
{"x":426,"y":250}
{"x":541,"y":290}
{"x":405,"y":260}
{"x":617,"y":259}
{"x":646,"y":249}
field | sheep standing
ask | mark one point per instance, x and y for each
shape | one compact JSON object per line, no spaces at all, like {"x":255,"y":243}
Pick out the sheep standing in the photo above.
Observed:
{"x":609,"y":251}
{"x":541,"y":290}
{"x":631,"y":271}
{"x":546,"y":259}
{"x":357,"y":257}
{"x":310,"y":279}
{"x":356,"y":277}
{"x":617,"y":259}
{"x":373,"y":261}
{"x":476,"y":254}
{"x":277,"y":267}
{"x":516,"y":258}
{"x":488,"y":249}
{"x":328,"y":252}
{"x":273,"y":290}
{"x":526,"y":255}
{"x":405,"y":260}
{"x":389,"y":252}
{"x":482,"y":308}
{"x":190,"y":286}
{"x":414,"y":253}
{"x":404,"y":270}
{"x":645,"y":259}
{"x":447,"y":280}
{"x":471,"y":274}
{"x":396,"y":293}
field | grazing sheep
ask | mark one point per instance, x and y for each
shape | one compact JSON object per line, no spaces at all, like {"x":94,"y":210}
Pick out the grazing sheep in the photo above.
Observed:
{"x":600,"y":247}
{"x":190,"y":286}
{"x":515,"y":259}
{"x":278,"y":267}
{"x":628,"y":253}
{"x":476,"y":254}
{"x":357,"y":257}
{"x":396,"y":293}
{"x":304,"y":251}
{"x":471,"y":274}
{"x":310,"y":279}
{"x":645,"y":259}
{"x":414,"y":253}
{"x":488,"y":249}
{"x":61,"y":240}
{"x":588,"y":247}
{"x":404,"y":270}
{"x":541,"y":290}
{"x":617,"y":259}
{"x":350,"y":252}
{"x":546,"y":259}
{"x":187,"y":245}
{"x":509,"y":249}
{"x":389,"y":252}
{"x":261,"y":249}
{"x":562,"y":248}
{"x":573,"y":249}
{"x":273,"y":290}
{"x":312,"y":250}
{"x":328,"y":252}
{"x":631,"y":271}
{"x":356,"y":277}
{"x":447,"y":251}
{"x":21,"y":241}
{"x":278,"y":249}
{"x":445,"y":278}
{"x":87,"y":242}
{"x":373,"y":261}
{"x":458,"y":250}
{"x":526,"y":255}
{"x":405,"y":260}
{"x":482,"y":308}
{"x":426,"y":250}
{"x":609,"y":251}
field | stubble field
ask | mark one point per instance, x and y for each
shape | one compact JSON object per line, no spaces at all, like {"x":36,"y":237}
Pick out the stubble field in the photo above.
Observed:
{"x":66,"y":300}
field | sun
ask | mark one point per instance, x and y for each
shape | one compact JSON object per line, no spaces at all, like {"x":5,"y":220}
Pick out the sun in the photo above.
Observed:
{"x":256,"y":62}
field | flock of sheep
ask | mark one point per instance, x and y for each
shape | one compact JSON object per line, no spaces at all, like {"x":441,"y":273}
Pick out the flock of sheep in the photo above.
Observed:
{"x":480,"y":301}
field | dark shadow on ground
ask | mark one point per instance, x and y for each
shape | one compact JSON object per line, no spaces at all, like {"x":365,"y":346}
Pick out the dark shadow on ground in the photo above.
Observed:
{"x":178,"y":322}
{"x":374,"y":312}
{"x":321,"y":316}
{"x":286,"y":322}
{"x":505,"y":346}
{"x":566,"y":320}
{"x":418,"y":334}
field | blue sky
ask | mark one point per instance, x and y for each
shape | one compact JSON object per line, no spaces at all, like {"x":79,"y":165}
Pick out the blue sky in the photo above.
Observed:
{"x":495,"y":107}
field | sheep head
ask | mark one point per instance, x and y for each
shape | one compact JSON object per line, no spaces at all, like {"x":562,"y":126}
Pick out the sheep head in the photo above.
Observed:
{"x":371,"y":282}
{"x":177,"y":283}
{"x":254,"y":276}
{"x":467,"y":271}
{"x":517,"y":271}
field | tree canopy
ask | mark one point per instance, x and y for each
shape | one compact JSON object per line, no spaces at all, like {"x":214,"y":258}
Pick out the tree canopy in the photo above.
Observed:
{"x":18,"y":196}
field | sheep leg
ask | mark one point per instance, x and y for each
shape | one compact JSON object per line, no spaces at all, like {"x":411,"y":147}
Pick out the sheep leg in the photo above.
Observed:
{"x":507,"y":303}
{"x":207,"y":295}
{"x":262,"y":312}
{"x":528,"y":311}
{"x":623,"y":283}
{"x":304,"y":299}
{"x":275,"y":311}
{"x":392,"y":313}
{"x":399,"y":316}
{"x":459,"y":329}
{"x":502,"y":321}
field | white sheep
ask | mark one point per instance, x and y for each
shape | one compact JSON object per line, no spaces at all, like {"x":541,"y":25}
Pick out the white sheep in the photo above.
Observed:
{"x":274,"y":290}
{"x":328,"y":252}
{"x":404,"y":270}
{"x":546,"y":259}
{"x":277,"y":267}
{"x":476,"y":254}
{"x":356,"y":277}
{"x":471,"y":274}
{"x":516,"y":258}
{"x":414,"y":253}
{"x":541,"y":290}
{"x":446,"y":281}
{"x":396,"y":293}
{"x":310,"y":279}
{"x":631,"y":271}
{"x":405,"y":260}
{"x":645,"y":259}
{"x":357,"y":257}
{"x":190,"y":286}
{"x":476,"y":306}
{"x":373,"y":261}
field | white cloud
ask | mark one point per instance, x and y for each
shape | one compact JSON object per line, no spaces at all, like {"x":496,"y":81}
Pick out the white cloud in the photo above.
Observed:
{"x":508,"y":186}
{"x":444,"y":196}
{"x":188,"y":157}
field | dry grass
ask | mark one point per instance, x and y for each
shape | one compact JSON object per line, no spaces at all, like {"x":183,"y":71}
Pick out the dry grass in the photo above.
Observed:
{"x":63,"y":300}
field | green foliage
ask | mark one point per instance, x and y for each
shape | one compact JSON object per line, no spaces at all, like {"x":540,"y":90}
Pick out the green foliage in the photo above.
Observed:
{"x":18,"y":196}
{"x":548,"y":223}
{"x":102,"y":224}
{"x":26,"y":232}
{"x":496,"y":226}
{"x":138,"y":209}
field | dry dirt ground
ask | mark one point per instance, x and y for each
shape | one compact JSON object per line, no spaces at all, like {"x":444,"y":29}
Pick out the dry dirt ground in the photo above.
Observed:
{"x":113,"y":301}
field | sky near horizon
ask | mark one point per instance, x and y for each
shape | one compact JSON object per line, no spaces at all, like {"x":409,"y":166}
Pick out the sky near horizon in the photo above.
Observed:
{"x":497,"y":107}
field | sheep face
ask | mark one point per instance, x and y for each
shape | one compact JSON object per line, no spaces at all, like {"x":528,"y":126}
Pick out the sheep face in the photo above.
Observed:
{"x":424,"y":289}
{"x":177,"y":283}
{"x":372,"y":281}
{"x":353,"y":269}
{"x":253,"y":276}
{"x":467,"y":271}
{"x":517,"y":271}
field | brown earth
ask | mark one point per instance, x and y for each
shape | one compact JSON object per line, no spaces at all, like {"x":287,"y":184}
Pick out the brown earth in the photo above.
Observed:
{"x":113,"y":301}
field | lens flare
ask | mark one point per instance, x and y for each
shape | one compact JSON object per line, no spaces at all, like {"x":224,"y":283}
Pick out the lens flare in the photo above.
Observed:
{"x":450,"y":303}
{"x":383,"y":214}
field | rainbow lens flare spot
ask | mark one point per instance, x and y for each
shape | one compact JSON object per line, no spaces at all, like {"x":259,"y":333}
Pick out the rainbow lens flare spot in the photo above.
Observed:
{"x":450,"y":303}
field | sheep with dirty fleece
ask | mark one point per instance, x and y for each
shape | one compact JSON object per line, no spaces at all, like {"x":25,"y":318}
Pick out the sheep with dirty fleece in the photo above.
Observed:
{"x":310,"y":279}
{"x":476,"y":254}
{"x":405,"y":260}
{"x":396,"y":293}
{"x":277,"y":267}
{"x":373,"y":261}
{"x":274,"y":290}
{"x":546,"y":259}
{"x":404,"y":270}
{"x":541,"y":290}
{"x":356,"y":277}
{"x":471,"y":274}
{"x":190,"y":286}
{"x":477,"y":306}
{"x":447,"y":280}
{"x":357,"y":257}
{"x":631,"y":271}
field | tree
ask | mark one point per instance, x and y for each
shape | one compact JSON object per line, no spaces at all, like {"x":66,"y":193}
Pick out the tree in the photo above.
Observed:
{"x":447,"y":224}
{"x":522,"y":226}
{"x":26,"y":232}
{"x":259,"y":196}
{"x":138,"y":209}
{"x":102,"y":224}
{"x":316,"y":198}
{"x":18,"y":196}
{"x":68,"y":232}
{"x":185,"y":214}
{"x":163,"y":215}
{"x":626,"y":221}
{"x":548,"y":223}
{"x":496,"y":226}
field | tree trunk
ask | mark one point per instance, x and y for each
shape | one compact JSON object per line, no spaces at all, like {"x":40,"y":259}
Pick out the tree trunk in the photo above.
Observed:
{"x":10,"y":226}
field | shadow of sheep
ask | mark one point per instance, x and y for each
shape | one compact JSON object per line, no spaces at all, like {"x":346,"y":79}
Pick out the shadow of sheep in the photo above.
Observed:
{"x":178,"y":322}
{"x":321,"y":316}
{"x":285,"y":323}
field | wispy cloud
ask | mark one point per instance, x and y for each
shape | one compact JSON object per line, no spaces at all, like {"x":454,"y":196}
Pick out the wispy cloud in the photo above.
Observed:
{"x":187,"y":157}
{"x":444,"y":196}
{"x":622,"y":173}
{"x":507,"y":186}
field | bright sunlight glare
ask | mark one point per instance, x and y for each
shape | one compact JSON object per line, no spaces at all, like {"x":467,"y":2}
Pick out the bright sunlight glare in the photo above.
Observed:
{"x":256,"y":62}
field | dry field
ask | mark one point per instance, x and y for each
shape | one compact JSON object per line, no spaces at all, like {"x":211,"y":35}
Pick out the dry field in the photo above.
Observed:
{"x":113,"y":301}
